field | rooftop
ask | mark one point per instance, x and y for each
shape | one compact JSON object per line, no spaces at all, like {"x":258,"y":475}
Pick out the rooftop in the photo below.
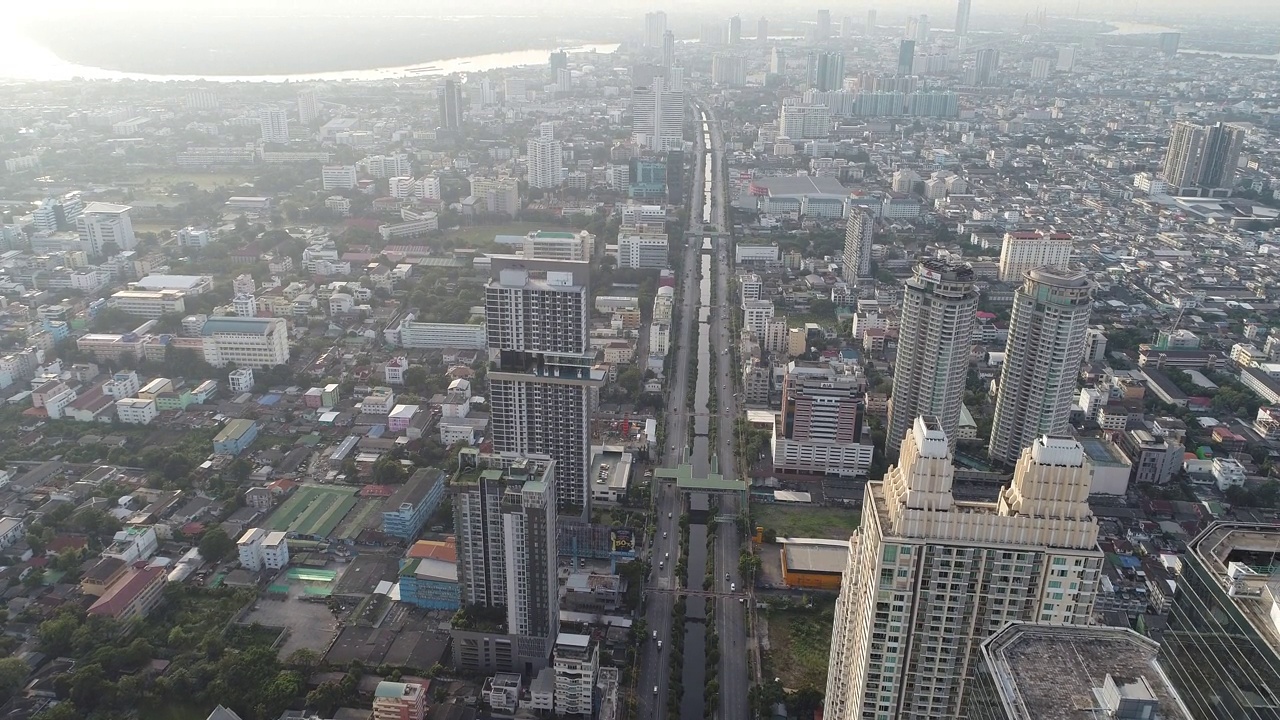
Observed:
{"x":1051,"y":672}
{"x":239,"y":325}
{"x":233,"y":430}
{"x":800,"y":185}
{"x":823,"y":558}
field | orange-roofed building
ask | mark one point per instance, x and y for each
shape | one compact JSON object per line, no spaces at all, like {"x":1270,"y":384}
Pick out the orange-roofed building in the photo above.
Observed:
{"x":135,"y":594}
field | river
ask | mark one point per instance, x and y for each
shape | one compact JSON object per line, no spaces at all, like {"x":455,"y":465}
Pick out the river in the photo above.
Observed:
{"x":23,"y":59}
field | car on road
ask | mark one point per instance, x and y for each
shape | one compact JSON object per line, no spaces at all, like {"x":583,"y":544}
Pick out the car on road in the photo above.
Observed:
{"x":655,"y":689}
{"x":661,"y":564}
{"x":655,"y":634}
{"x":668,"y":516}
{"x":733,"y":587}
{"x":666,"y":556}
{"x":659,"y":644}
{"x":726,"y":577}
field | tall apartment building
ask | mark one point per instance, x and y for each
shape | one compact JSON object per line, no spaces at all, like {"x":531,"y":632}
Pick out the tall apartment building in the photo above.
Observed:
{"x":906,"y":57}
{"x":1023,"y":251}
{"x":1221,"y":650}
{"x":826,"y":70}
{"x":497,"y":195}
{"x":249,"y":342}
{"x":576,"y":664}
{"x":932,"y":365}
{"x":797,"y":121}
{"x":338,"y":177}
{"x":275,"y":125}
{"x":1202,"y":157}
{"x":669,"y":56}
{"x":450,"y":105}
{"x":963,"y":9}
{"x":728,"y":70}
{"x":657,"y":117}
{"x":542,"y":384}
{"x":505,"y":521}
{"x":308,"y":107}
{"x":857,"y":246}
{"x":545,"y":159}
{"x":820,"y":430}
{"x":655,"y":26}
{"x":930,"y":577}
{"x":101,"y":223}
{"x":1046,"y":345}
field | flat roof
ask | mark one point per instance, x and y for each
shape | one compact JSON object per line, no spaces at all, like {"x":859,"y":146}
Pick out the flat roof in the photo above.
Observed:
{"x":234,"y":429}
{"x":1102,"y":452}
{"x":241,"y":325}
{"x":713,"y":482}
{"x":801,"y":557}
{"x":1051,"y":672}
{"x":801,"y":185}
{"x":171,"y":282}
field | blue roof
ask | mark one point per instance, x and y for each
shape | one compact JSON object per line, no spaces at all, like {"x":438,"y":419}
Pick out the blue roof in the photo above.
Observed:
{"x":269,"y":399}
{"x":228,"y":324}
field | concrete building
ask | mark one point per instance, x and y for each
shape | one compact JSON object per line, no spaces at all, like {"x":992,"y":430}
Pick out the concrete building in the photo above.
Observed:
{"x":247,"y":342}
{"x":136,"y":411}
{"x":968,"y":567}
{"x":235,"y":436}
{"x":429,"y":575}
{"x":576,"y":664}
{"x":545,"y":159}
{"x":410,"y":333}
{"x":642,"y":250}
{"x":542,"y":383}
{"x":101,"y":225}
{"x":1025,"y":251}
{"x":148,"y":303}
{"x":138,"y":591}
{"x":407,"y":510}
{"x":240,"y":380}
{"x":275,"y":125}
{"x":1202,"y":158}
{"x":261,"y":549}
{"x":938,"y":315}
{"x":857,"y":247}
{"x":554,"y":245}
{"x":800,"y":122}
{"x":338,"y":177}
{"x":657,"y":117}
{"x":505,"y":521}
{"x":399,"y":701}
{"x":1042,"y":359}
{"x":821,"y":430}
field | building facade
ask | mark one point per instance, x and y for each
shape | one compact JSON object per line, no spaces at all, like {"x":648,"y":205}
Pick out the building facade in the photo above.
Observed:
{"x":857,"y":247}
{"x":930,"y":577}
{"x":820,"y":430}
{"x":1025,"y":251}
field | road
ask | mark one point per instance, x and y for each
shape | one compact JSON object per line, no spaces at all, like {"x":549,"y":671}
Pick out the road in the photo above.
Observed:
{"x":659,"y":601}
{"x":735,"y":598}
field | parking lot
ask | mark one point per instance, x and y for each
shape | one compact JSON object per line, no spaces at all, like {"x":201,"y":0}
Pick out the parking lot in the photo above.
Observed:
{"x":310,"y":624}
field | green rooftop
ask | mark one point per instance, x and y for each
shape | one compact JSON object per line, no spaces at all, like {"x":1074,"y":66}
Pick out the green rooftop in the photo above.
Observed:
{"x":713,"y":482}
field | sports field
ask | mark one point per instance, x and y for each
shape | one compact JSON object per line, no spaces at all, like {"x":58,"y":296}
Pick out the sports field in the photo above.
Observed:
{"x":314,"y":510}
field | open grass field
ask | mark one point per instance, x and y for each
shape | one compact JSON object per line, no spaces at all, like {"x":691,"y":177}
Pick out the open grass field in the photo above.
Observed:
{"x":482,"y":235}
{"x":800,"y":645}
{"x":313,"y":510}
{"x":832,"y":523}
{"x":205,"y":181}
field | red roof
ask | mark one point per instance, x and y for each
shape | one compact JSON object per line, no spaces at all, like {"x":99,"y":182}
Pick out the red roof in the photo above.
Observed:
{"x":193,"y":529}
{"x":377,"y":491}
{"x":434,"y":550}
{"x":125,"y":590}
{"x":66,"y":542}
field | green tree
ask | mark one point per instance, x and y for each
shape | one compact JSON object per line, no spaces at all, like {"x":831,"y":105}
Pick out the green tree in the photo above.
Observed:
{"x":13,"y":673}
{"x":62,"y":711}
{"x":215,"y":545}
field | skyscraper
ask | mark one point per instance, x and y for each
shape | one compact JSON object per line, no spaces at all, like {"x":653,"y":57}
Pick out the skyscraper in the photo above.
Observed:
{"x":735,"y":30}
{"x":545,"y":160}
{"x":657,"y":117}
{"x":938,"y":314}
{"x":728,"y":70}
{"x":986,"y":64}
{"x":1202,"y":157}
{"x":1042,"y":358}
{"x":826,"y":70}
{"x":1169,"y":42}
{"x":857,"y":246}
{"x":930,"y":577}
{"x":655,"y":26}
{"x":871,"y":22}
{"x":450,"y":105}
{"x":823,"y":29}
{"x":308,"y":107}
{"x":542,"y":383}
{"x":505,"y":521}
{"x":668,"y":49}
{"x":918,"y":29}
{"x":778,"y":61}
{"x":906,"y":56}
{"x":1028,"y":250}
{"x":275,"y":125}
{"x":762,"y":30}
{"x":820,"y":430}
{"x":962,"y":17}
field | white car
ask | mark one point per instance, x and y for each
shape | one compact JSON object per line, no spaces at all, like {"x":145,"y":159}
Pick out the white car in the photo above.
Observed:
{"x":733,"y":587}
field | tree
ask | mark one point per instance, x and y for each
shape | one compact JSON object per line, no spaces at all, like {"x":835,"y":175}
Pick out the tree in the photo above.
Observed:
{"x":13,"y":673}
{"x":214,"y":544}
{"x":62,"y":711}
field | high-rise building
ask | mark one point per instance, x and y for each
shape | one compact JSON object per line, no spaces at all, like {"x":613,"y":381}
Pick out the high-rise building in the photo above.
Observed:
{"x":932,"y":364}
{"x":821,"y":429}
{"x":798,"y":121}
{"x":826,"y":70}
{"x":1023,"y":251}
{"x":823,"y":29}
{"x":102,"y":223}
{"x":657,"y":117}
{"x":1040,"y":67}
{"x":577,"y":665}
{"x":1169,"y":42}
{"x":1066,"y":59}
{"x":505,"y":520}
{"x":846,"y":27}
{"x":1221,"y":650}
{"x":986,"y":65}
{"x":1047,"y":330}
{"x":542,"y":385}
{"x":668,"y":49}
{"x":735,"y":30}
{"x":918,"y":29}
{"x":450,"y":105}
{"x":275,"y":125}
{"x":655,"y":26}
{"x":930,"y":577}
{"x":545,"y":159}
{"x":1202,"y":157}
{"x":778,"y":61}
{"x":871,"y":22}
{"x":308,"y":107}
{"x":728,"y":70}
{"x":963,"y":7}
{"x":857,"y":246}
{"x":906,"y":56}
{"x":762,"y":30}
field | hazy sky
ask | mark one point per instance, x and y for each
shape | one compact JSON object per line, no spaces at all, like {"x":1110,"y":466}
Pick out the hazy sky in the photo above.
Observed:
{"x":193,"y":8}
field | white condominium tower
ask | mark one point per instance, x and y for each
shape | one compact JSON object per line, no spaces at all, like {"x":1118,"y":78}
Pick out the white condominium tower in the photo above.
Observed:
{"x":506,"y":528}
{"x":102,"y":223}
{"x":541,"y":381}
{"x":655,"y":26}
{"x":932,"y":364}
{"x":657,"y":116}
{"x":857,"y":246}
{"x":275,"y":125}
{"x":546,"y":158}
{"x":1046,"y":345}
{"x":1023,"y":251}
{"x":930,"y":577}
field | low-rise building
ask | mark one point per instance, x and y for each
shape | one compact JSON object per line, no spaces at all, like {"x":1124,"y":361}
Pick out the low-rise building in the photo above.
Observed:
{"x":133,"y":595}
{"x":136,"y":411}
{"x":576,"y":660}
{"x":399,"y":701}
{"x":407,"y":510}
{"x":261,"y":549}
{"x":235,"y":437}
